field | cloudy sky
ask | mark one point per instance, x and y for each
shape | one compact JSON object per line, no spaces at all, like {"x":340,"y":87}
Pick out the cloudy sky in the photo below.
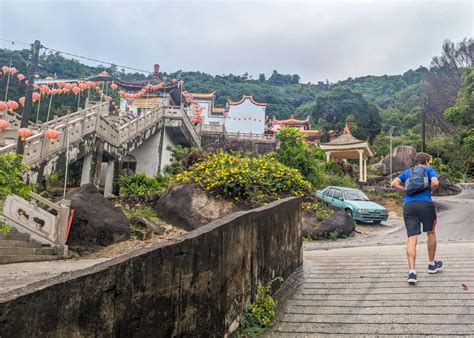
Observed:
{"x":317,"y":39}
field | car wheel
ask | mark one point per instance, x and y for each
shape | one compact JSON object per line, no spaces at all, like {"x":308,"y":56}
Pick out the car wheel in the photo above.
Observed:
{"x":349,"y":212}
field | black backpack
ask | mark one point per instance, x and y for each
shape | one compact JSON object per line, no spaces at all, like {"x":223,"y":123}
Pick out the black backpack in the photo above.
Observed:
{"x":417,"y":181}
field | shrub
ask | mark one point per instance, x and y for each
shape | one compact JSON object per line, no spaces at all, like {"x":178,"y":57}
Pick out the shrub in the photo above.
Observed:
{"x":259,"y":316}
{"x":140,"y":184}
{"x":249,"y":181}
{"x":12,"y":170}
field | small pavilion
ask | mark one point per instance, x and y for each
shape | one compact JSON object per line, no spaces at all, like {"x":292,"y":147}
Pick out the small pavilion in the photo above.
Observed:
{"x":347,"y":147}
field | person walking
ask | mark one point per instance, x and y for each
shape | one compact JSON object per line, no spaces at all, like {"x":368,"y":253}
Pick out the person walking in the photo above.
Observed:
{"x":417,"y":184}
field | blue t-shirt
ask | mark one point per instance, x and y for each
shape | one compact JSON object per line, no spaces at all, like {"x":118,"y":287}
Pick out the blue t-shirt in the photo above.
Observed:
{"x":424,"y":195}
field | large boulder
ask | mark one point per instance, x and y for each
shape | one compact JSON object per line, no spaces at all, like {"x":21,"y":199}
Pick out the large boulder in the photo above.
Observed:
{"x":403,"y":157}
{"x":339,"y":221}
{"x":446,"y":187}
{"x":188,"y":207}
{"x":96,"y":220}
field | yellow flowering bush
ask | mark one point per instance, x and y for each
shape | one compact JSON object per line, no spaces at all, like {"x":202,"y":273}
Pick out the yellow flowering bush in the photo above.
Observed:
{"x":248,"y":181}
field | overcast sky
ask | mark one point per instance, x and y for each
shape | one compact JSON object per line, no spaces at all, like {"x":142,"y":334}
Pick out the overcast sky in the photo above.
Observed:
{"x":316,"y":39}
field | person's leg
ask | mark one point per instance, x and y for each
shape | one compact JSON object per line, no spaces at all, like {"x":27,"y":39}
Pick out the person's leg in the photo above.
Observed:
{"x":411,"y":251}
{"x":431,"y":245}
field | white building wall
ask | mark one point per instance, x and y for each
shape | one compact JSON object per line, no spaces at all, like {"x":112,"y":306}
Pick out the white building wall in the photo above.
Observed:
{"x":147,"y":156}
{"x":246,"y":118}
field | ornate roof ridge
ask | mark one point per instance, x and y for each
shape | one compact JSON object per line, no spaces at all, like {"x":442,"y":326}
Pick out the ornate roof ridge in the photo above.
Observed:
{"x":246,"y":97}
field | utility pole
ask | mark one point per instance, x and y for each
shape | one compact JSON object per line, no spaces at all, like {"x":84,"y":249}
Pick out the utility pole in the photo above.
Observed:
{"x":20,"y":148}
{"x":423,"y":124}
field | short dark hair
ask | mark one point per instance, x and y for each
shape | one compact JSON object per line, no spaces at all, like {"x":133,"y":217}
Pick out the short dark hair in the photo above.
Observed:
{"x":422,"y":158}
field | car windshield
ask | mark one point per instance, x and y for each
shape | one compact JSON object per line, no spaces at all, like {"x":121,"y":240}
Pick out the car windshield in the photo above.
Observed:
{"x":355,"y":195}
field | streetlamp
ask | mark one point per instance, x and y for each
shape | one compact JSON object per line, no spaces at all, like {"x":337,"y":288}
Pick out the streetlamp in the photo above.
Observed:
{"x":390,"y":133}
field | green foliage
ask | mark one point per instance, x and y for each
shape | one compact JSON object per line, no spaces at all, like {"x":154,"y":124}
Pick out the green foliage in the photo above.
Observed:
{"x":340,"y":105}
{"x":4,"y":228}
{"x":183,"y":158}
{"x":140,"y":184}
{"x":259,"y":316}
{"x":295,"y":153}
{"x":12,"y":170}
{"x":462,"y":112}
{"x":249,"y":181}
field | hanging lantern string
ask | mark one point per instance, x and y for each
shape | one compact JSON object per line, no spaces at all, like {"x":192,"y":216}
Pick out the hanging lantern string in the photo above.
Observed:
{"x":8,"y":82}
{"x":50,"y":101}
{"x":38,"y":110}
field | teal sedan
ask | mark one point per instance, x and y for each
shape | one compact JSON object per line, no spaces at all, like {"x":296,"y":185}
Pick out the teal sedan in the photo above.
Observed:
{"x":355,"y":203}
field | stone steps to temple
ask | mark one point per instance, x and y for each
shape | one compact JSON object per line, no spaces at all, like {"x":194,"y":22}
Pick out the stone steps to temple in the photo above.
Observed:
{"x":18,"y":247}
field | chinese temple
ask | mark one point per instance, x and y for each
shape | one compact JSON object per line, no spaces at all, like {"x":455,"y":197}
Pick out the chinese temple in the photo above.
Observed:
{"x":246,"y":116}
{"x":347,"y":147}
{"x":312,"y":136}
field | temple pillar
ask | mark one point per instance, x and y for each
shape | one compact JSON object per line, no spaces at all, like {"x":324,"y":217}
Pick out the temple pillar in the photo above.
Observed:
{"x":109,"y":178}
{"x":328,"y":156}
{"x":86,"y":169}
{"x":365,"y":169}
{"x":361,"y":167}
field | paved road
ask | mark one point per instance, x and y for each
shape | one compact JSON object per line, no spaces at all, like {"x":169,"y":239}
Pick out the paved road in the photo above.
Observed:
{"x":357,"y":287}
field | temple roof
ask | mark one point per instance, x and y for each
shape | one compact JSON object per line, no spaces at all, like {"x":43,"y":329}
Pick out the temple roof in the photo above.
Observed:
{"x":345,"y":138}
{"x":203,"y":95}
{"x":246,"y":97}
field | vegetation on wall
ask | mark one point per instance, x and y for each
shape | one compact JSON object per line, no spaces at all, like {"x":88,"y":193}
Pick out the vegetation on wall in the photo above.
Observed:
{"x":12,"y":170}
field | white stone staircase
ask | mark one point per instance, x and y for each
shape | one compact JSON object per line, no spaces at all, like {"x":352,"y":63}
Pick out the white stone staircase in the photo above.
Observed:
{"x":19,"y":247}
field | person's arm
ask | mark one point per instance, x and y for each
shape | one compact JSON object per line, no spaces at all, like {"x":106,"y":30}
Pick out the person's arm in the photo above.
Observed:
{"x":397,"y":185}
{"x":434,"y":182}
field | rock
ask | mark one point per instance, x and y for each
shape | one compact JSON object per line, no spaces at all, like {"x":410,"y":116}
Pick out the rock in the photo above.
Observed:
{"x":446,"y":187}
{"x":143,"y":234}
{"x":186,"y":206}
{"x":144,"y":223}
{"x":96,"y":220}
{"x":403,"y":157}
{"x":339,"y":221}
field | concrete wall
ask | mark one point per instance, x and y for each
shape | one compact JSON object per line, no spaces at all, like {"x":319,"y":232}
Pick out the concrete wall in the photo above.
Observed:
{"x":195,"y":285}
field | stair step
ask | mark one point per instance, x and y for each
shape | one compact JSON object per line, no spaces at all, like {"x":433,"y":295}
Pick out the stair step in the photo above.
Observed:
{"x":15,"y":236}
{"x":25,"y":251}
{"x":13,"y":243}
{"x":6,"y":259}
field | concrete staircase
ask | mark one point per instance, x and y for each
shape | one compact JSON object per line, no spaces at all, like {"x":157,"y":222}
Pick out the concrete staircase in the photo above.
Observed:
{"x":19,"y":247}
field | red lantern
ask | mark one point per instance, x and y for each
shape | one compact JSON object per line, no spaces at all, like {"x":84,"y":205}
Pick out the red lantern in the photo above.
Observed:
{"x":51,"y":134}
{"x":61,"y":84}
{"x":104,"y":73}
{"x":36,"y":96}
{"x":83,"y":86}
{"x":45,"y":89}
{"x":76,"y":90}
{"x":24,"y":133}
{"x":3,"y":106}
{"x":5,"y":69}
{"x":3,"y":125}
{"x":20,"y":77}
{"x":13,"y":70}
{"x":68,"y":86}
{"x":12,"y":105}
{"x":22,"y":100}
{"x":113,"y":86}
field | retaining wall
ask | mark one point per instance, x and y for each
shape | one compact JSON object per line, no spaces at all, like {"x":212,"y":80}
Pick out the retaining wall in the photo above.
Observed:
{"x":195,"y":285}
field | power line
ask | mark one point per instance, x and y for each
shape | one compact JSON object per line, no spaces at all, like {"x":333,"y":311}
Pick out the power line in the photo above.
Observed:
{"x":77,"y":56}
{"x":95,"y":60}
{"x":17,"y":42}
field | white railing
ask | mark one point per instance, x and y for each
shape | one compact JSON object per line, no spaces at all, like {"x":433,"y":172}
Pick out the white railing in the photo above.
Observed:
{"x":251,"y":137}
{"x":42,"y":219}
{"x":93,"y":120}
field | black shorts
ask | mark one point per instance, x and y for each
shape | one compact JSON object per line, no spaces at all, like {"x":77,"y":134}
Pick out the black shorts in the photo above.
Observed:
{"x":417,"y":212}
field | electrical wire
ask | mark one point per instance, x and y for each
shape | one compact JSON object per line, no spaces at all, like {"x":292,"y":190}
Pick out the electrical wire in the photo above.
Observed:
{"x":77,"y":56}
{"x":95,"y":60}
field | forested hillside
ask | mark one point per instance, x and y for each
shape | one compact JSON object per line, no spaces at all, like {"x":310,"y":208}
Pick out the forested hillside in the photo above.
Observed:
{"x":370,"y":104}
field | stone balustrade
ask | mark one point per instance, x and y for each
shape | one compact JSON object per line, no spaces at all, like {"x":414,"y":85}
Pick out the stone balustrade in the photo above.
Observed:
{"x":93,"y":119}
